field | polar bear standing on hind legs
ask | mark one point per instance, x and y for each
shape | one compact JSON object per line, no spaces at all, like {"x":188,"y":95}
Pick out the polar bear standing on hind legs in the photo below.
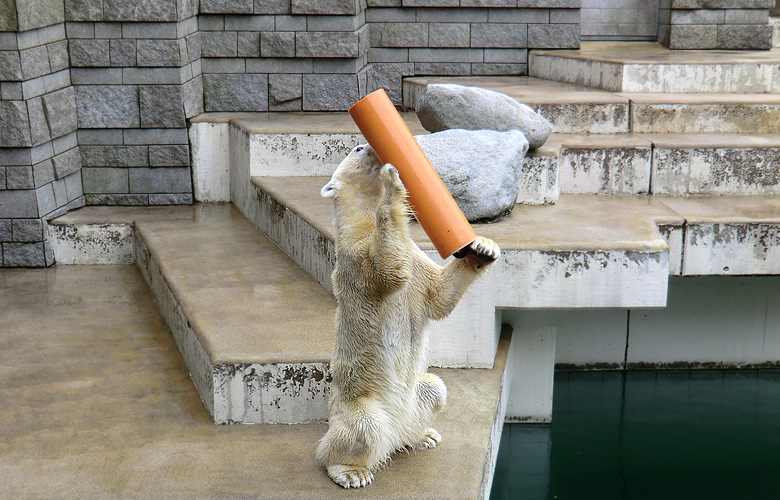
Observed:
{"x":382,"y":398}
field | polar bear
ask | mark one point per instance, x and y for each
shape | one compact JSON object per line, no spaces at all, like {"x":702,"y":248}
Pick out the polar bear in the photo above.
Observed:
{"x":387,"y":290}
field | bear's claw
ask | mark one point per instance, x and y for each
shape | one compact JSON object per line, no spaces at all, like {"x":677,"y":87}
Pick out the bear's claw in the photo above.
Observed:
{"x":431,"y":439}
{"x":350,"y":476}
{"x":486,"y":249}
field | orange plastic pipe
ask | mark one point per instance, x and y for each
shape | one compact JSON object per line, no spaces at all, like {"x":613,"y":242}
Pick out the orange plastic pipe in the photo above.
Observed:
{"x":436,"y":211}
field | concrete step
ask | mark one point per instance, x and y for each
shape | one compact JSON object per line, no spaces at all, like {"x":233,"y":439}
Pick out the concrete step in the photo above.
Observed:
{"x":309,"y":144}
{"x":574,"y":109}
{"x":651,"y":67}
{"x":98,"y":404}
{"x":676,"y":164}
{"x":255,"y":331}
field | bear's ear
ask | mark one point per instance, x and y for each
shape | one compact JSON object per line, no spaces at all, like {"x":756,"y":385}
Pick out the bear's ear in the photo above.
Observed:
{"x":331,"y":189}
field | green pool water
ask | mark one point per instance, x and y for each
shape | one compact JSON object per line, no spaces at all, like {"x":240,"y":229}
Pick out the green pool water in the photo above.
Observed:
{"x":649,"y":435}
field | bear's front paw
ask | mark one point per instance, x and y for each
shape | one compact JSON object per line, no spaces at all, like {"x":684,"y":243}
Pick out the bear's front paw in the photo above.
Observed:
{"x":430,"y":440}
{"x":485,"y":249}
{"x":391,"y":179}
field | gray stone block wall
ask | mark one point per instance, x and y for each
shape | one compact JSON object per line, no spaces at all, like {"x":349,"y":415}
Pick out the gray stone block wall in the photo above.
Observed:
{"x":715,"y":24}
{"x":619,"y":20}
{"x":40,"y":164}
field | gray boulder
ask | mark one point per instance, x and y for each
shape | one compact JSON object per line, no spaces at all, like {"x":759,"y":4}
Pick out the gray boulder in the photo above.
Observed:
{"x":449,"y":106}
{"x":482,"y":169}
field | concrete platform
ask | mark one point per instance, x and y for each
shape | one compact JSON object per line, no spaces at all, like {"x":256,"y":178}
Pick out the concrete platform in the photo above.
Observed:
{"x":256,"y":332}
{"x":97,"y":404}
{"x":651,"y":67}
{"x":575,"y":109}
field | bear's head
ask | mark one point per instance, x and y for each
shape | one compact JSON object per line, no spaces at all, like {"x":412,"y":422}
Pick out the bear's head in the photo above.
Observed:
{"x":359,"y":169}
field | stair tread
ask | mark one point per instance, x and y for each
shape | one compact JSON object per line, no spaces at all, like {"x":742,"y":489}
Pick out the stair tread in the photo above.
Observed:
{"x":705,"y":140}
{"x":245,"y":299}
{"x":121,"y":419}
{"x":655,"y":53}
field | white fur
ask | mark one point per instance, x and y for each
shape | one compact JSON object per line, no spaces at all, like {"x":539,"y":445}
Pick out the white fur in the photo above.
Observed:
{"x":387,"y":290}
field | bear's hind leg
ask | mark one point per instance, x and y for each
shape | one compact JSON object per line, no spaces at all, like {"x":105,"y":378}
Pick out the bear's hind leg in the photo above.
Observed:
{"x":355,"y":443}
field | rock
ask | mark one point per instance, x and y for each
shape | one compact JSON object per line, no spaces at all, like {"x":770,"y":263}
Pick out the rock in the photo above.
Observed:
{"x":450,"y":106}
{"x":482,"y":169}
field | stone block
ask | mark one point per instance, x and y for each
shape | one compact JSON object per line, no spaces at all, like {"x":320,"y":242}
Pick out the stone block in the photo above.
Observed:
{"x":158,"y":53}
{"x":319,"y":95}
{"x":64,"y":143}
{"x":10,"y":66}
{"x":249,"y":23}
{"x":15,"y":156}
{"x":34,"y":62}
{"x":496,"y":69}
{"x":430,"y":3}
{"x":171,"y":199}
{"x":283,"y":88}
{"x":18,"y":204}
{"x":27,"y":230}
{"x":14,"y":124}
{"x":11,"y":91}
{"x":89,"y":53}
{"x":722,"y":4}
{"x":19,"y":177}
{"x":24,"y":255}
{"x":149,"y":30}
{"x":290,"y":23}
{"x":389,"y":76}
{"x":194,"y":46}
{"x":122,"y":52}
{"x":105,"y":180}
{"x":139,"y":10}
{"x":41,"y":152}
{"x":248,"y":44}
{"x":390,"y":15}
{"x":278,"y":65}
{"x":399,"y":35}
{"x":698,"y":16}
{"x":108,"y":30}
{"x":693,"y":36}
{"x":2,"y":178}
{"x":503,"y":35}
{"x":60,"y":196}
{"x":452,"y":15}
{"x":43,"y":173}
{"x":335,"y":23}
{"x":272,"y":7}
{"x":277,"y":44}
{"x":116,"y":199}
{"x":33,"y":88}
{"x":58,"y":55}
{"x":67,"y":163}
{"x":151,"y":76}
{"x":83,"y":10}
{"x":746,"y":16}
{"x":442,"y":68}
{"x":160,"y":180}
{"x":332,"y":7}
{"x":33,"y":14}
{"x":39,"y":132}
{"x":383,"y":55}
{"x":161,"y":106}
{"x":211,"y":23}
{"x":60,"y":110}
{"x":155,"y":136}
{"x":326,"y":44}
{"x":107,"y":106}
{"x":338,"y":65}
{"x":565,"y":16}
{"x":8,"y":21}
{"x":553,"y":36}
{"x":226,"y":6}
{"x":5,"y":230}
{"x":73,"y":186}
{"x":96,"y":76}
{"x":219,"y":44}
{"x":506,"y":56}
{"x":114,"y":156}
{"x":449,"y":35}
{"x":88,"y":137}
{"x":223,"y":65}
{"x":445,"y":55}
{"x":234,"y":92}
{"x":79,"y":30}
{"x":192,"y":98}
{"x":744,"y":37}
{"x":169,"y":156}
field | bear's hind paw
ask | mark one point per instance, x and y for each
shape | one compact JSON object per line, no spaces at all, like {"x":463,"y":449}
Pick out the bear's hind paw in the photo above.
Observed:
{"x":350,"y":476}
{"x":430,"y":440}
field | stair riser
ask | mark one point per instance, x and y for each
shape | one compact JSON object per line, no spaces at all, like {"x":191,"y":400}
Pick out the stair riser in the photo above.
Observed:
{"x":586,"y":118}
{"x":702,"y":118}
{"x":727,"y":171}
{"x":92,"y":243}
{"x":729,"y":249}
{"x":281,"y":155}
{"x":605,"y":170}
{"x":282,"y":393}
{"x":730,"y":78}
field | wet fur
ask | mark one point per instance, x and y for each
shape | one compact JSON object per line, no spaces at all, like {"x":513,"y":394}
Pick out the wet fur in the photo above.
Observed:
{"x":387,"y":290}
